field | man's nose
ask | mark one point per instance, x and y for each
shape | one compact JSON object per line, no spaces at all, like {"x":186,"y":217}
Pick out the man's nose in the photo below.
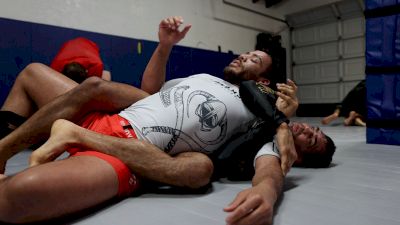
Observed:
{"x":242,"y":57}
{"x":308,"y":130}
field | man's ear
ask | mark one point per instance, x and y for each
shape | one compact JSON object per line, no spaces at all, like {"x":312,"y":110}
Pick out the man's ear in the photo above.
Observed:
{"x":263,"y":80}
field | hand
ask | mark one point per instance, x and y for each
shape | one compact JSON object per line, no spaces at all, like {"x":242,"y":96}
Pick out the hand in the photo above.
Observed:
{"x":284,"y":139}
{"x":287,"y":101}
{"x":251,"y":206}
{"x":169,"y":33}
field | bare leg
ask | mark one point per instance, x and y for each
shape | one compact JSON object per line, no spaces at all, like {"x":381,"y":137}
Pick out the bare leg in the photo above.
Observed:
{"x":330,"y":118}
{"x":359,"y":122}
{"x":34,"y":87}
{"x":350,"y":120}
{"x":190,"y":169}
{"x":72,"y":185}
{"x":93,"y":94}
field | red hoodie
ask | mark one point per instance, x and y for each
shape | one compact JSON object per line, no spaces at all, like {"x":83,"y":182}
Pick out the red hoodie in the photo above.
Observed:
{"x":82,"y":51}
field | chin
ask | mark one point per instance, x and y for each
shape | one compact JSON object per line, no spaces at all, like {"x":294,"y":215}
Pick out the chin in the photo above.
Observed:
{"x":232,"y":75}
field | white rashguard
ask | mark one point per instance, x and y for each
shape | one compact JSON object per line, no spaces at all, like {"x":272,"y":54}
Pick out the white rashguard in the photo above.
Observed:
{"x":198,"y":113}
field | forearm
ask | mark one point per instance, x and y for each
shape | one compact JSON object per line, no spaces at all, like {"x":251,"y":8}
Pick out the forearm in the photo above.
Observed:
{"x":268,"y":177}
{"x":155,"y":72}
{"x":188,"y":169}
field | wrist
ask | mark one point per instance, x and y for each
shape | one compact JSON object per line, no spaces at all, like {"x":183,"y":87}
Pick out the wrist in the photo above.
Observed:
{"x":165,"y":47}
{"x":282,"y":126}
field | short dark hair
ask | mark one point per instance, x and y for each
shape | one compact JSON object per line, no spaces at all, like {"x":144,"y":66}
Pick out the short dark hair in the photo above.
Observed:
{"x":271,"y":72}
{"x":321,"y":159}
{"x":75,"y":71}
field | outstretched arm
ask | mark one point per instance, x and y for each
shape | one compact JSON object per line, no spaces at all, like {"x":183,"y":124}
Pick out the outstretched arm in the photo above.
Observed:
{"x":189,"y":169}
{"x":168,"y":34}
{"x":255,"y":205}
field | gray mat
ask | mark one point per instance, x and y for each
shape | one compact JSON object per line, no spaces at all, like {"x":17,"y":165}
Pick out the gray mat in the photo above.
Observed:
{"x":360,"y":188}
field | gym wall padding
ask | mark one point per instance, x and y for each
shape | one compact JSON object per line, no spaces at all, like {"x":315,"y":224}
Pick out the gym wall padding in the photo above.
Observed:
{"x":383,"y":71}
{"x":23,"y":42}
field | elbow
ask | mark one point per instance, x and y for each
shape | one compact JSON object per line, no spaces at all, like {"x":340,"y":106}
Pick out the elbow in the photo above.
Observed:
{"x":200,"y":174}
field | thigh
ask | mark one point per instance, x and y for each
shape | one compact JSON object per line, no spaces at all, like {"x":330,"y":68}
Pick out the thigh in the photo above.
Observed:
{"x":77,"y":182}
{"x":44,"y":84}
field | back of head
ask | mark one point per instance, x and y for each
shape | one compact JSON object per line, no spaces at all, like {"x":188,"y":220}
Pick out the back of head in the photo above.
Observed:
{"x":273,"y":73}
{"x":271,"y":44}
{"x":319,"y":159}
{"x":75,"y":71}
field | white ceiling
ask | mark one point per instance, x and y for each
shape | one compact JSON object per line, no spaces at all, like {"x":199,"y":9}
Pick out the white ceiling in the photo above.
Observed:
{"x":301,"y":12}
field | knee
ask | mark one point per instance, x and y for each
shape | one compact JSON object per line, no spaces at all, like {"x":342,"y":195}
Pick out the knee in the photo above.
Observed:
{"x":31,"y":69}
{"x":92,"y":86}
{"x":87,"y":91}
{"x":20,"y":194}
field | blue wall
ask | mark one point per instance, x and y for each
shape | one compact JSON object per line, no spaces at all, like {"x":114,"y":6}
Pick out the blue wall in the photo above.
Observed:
{"x":22,"y":43}
{"x":383,"y":71}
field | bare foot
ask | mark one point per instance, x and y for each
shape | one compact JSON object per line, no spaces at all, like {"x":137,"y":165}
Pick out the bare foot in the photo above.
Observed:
{"x":61,"y":137}
{"x":359,"y":122}
{"x":330,"y":118}
{"x":350,"y":120}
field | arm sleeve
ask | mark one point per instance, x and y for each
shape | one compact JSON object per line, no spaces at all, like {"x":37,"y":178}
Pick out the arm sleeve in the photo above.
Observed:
{"x":172,"y":83}
{"x":270,"y":148}
{"x":260,"y":100}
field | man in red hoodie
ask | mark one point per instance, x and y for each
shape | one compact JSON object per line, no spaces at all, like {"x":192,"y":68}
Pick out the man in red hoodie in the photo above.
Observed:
{"x":80,"y":58}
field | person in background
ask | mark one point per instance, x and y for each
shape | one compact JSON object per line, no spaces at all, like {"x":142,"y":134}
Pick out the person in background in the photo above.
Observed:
{"x":79,"y":59}
{"x":353,"y":108}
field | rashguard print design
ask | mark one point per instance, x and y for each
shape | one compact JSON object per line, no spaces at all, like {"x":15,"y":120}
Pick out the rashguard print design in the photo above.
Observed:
{"x":211,"y":114}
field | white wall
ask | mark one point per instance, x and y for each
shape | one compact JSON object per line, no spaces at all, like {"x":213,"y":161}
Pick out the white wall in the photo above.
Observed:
{"x":214,"y":22}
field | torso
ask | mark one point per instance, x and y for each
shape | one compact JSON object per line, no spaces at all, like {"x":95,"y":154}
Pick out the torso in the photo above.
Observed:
{"x":198,"y":114}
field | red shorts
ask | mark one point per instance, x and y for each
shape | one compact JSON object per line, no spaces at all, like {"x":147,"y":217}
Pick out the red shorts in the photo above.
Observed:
{"x":112,"y":125}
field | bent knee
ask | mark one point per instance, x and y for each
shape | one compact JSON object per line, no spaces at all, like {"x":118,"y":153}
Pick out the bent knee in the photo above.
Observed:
{"x":35,"y":66}
{"x":31,"y":69}
{"x":93,"y":86}
{"x":92,"y":81}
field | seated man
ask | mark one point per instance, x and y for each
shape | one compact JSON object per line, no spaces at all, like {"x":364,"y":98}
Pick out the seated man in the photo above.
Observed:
{"x":353,"y":107}
{"x":89,"y":172}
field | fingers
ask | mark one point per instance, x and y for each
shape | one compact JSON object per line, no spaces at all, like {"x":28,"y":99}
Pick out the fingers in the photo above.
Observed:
{"x":255,"y":217}
{"x":286,"y":89}
{"x":240,"y":214}
{"x":285,"y":97}
{"x":185,"y":30}
{"x":172,"y":23}
{"x":292,"y":84}
{"x":233,"y":205}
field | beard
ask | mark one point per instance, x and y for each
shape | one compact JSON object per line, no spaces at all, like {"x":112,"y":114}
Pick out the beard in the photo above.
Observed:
{"x":232,"y":76}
